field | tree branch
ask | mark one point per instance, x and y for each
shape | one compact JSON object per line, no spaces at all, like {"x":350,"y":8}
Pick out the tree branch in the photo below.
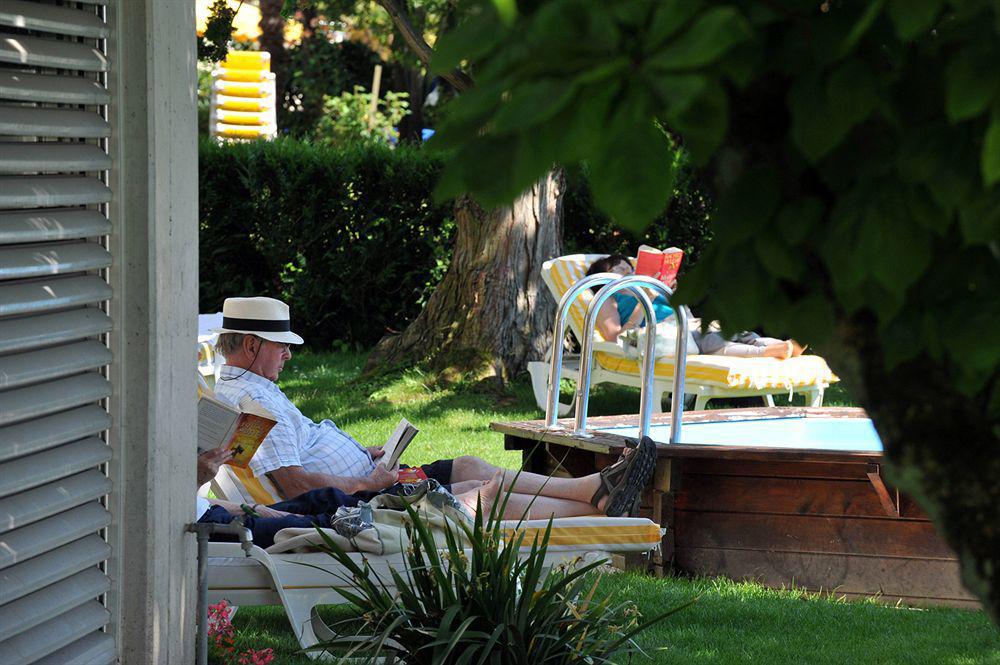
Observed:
{"x":457,"y":78}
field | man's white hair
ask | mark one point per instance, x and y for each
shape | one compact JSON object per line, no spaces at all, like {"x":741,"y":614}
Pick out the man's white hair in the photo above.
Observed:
{"x":229,"y":343}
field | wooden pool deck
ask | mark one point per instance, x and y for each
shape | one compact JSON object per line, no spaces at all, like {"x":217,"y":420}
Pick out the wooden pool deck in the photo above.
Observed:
{"x":818,"y":520}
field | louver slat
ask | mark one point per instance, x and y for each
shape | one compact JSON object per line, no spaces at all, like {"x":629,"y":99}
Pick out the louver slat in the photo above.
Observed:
{"x":36,"y":366}
{"x":46,"y":18}
{"x":62,"y":123}
{"x":28,"y":541}
{"x":54,"y":634}
{"x":38,"y":607}
{"x":51,"y":224}
{"x":38,"y":52}
{"x":93,"y":649}
{"x":48,"y":294}
{"x":24,"y":508}
{"x":47,"y":364}
{"x":51,"y":157}
{"x":27,"y":472}
{"x":44,"y":433}
{"x":22,"y":87}
{"x":52,"y":397}
{"x":34,"y":331}
{"x":45,"y":191}
{"x":44,"y":569}
{"x":52,"y":259}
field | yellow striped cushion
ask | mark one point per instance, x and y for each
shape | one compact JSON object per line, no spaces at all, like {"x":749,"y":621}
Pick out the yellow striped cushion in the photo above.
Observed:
{"x":243,"y":131}
{"x":237,"y":89}
{"x":247,"y":60}
{"x":245,"y":104}
{"x":721,"y":371}
{"x":241,"y":118}
{"x":253,"y":485}
{"x":727,"y":372}
{"x":245,"y":75}
{"x":595,"y":532}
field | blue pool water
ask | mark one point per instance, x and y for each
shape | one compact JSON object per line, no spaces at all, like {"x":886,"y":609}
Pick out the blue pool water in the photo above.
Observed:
{"x":841,"y":434}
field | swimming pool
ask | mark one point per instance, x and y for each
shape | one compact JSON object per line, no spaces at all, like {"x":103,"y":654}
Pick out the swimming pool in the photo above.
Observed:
{"x":796,"y":432}
{"x":784,"y":496}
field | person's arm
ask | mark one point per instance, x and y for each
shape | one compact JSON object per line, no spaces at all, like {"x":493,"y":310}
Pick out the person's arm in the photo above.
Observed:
{"x":209,"y":463}
{"x":294,"y":480}
{"x":610,"y":325}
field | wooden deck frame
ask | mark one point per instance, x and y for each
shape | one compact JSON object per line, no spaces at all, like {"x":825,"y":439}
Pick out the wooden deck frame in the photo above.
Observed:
{"x":820,"y":520}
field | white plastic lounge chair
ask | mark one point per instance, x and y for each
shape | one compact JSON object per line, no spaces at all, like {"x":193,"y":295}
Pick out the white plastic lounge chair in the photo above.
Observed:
{"x":706,"y":377}
{"x":299,"y":582}
{"x":209,"y":362}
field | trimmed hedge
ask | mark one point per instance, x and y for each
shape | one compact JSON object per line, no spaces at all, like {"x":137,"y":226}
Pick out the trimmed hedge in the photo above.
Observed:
{"x":351,"y":238}
{"x":348,"y":237}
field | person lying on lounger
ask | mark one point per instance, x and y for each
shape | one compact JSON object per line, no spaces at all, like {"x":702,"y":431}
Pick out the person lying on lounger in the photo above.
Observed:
{"x":622,"y":312}
{"x":615,"y":491}
{"x":298,"y":454}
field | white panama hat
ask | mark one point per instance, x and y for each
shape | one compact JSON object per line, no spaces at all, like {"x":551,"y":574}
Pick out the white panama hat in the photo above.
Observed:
{"x":266,"y":318}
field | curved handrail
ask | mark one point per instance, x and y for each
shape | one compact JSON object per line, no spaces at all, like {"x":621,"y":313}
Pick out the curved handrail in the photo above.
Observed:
{"x":634,"y":282}
{"x":558,"y":333}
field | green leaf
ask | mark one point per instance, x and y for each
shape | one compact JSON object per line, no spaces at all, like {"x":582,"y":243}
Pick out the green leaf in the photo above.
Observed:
{"x":473,"y":38}
{"x":778,"y":258}
{"x":712,"y":35}
{"x":797,"y":218}
{"x":507,"y":9}
{"x":675,"y":92}
{"x":633,"y":179}
{"x":816,"y":130}
{"x":990,"y":163}
{"x":533,"y":103}
{"x":980,"y":218}
{"x":669,"y":17}
{"x":747,"y":208}
{"x":913,"y":18}
{"x":862,"y":25}
{"x":852,"y":91}
{"x":898,"y":250}
{"x":703,"y":124}
{"x":970,"y":84}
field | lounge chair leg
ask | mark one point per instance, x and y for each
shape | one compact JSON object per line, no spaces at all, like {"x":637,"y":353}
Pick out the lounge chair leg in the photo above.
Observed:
{"x":816,"y":397}
{"x":769,"y":401}
{"x":658,"y":399}
{"x":701,"y":401}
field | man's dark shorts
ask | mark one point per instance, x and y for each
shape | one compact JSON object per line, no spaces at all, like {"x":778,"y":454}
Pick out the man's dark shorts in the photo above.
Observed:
{"x":439,"y":471}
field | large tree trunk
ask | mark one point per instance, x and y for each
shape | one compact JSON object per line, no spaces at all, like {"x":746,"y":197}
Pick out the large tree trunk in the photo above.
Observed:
{"x":272,"y":40}
{"x":492,"y":312}
{"x":942,"y":450}
{"x":411,"y":81}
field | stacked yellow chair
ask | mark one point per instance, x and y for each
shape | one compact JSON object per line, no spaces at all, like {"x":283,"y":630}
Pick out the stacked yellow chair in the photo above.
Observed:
{"x":243,"y":97}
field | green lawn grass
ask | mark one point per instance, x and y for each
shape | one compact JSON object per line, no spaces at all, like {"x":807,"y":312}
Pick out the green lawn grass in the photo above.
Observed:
{"x":729,"y":623}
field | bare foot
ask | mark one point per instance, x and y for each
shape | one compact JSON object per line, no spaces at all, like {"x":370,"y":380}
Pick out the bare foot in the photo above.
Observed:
{"x":780,"y":351}
{"x":797,"y":349}
{"x":484,"y":495}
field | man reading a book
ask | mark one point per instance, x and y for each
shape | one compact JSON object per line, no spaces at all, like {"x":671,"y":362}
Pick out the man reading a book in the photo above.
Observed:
{"x":299,"y":454}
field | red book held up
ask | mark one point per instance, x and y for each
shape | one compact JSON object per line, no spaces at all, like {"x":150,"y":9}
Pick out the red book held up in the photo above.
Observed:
{"x":666,"y":262}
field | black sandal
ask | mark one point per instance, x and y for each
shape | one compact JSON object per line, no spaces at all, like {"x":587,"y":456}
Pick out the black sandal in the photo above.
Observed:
{"x":623,"y":481}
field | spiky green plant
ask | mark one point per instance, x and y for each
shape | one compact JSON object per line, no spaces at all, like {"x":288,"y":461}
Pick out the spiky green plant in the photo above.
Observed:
{"x":477,"y":601}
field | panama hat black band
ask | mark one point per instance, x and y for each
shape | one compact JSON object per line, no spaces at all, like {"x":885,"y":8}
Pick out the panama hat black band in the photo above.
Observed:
{"x":256,"y":325}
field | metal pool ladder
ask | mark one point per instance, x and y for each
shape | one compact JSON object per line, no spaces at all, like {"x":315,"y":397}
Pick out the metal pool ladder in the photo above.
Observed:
{"x":614,"y":283}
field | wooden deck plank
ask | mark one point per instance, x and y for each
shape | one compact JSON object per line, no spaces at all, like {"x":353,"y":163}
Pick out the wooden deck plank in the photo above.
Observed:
{"x":915,"y":579}
{"x":791,"y":496}
{"x":799,"y":533}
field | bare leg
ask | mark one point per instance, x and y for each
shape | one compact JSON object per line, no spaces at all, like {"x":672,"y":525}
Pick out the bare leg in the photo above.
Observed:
{"x":524,"y":506}
{"x":573,"y":489}
{"x":468,"y":467}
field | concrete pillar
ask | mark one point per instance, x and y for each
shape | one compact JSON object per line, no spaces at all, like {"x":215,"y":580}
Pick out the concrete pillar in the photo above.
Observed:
{"x":155,"y":280}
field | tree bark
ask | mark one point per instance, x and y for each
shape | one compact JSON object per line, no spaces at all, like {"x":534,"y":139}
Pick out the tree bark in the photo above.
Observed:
{"x":942,"y":448}
{"x":272,"y":40}
{"x":492,"y":312}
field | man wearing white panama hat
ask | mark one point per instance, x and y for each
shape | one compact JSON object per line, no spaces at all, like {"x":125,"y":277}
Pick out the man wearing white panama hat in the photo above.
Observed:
{"x":300,"y":455}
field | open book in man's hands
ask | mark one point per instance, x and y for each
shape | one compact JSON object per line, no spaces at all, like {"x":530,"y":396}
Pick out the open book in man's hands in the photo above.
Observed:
{"x":241,"y":430}
{"x":397,"y":443}
{"x":667,"y":262}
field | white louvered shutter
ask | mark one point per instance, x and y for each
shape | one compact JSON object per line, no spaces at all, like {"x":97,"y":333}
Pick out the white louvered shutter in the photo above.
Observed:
{"x":54,"y":354}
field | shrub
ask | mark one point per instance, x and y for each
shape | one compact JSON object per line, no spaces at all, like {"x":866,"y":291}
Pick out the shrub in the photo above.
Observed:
{"x":684,"y":224}
{"x":348,"y":118}
{"x":348,"y":237}
{"x":478,"y":600}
